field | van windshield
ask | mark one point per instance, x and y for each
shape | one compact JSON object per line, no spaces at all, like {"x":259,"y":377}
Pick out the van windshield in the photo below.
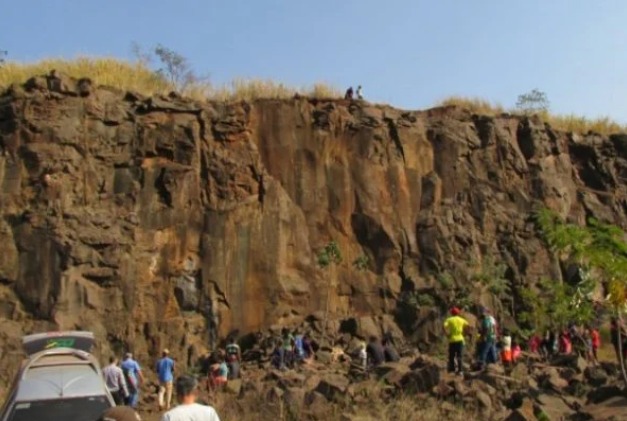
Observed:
{"x":76,"y":409}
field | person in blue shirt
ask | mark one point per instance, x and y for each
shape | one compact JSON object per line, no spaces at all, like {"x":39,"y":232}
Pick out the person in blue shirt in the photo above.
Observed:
{"x":134,"y":377}
{"x":165,"y":372}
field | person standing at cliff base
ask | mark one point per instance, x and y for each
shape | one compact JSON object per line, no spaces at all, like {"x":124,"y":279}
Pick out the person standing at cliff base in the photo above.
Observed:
{"x":233,"y":358}
{"x":134,"y":377}
{"x":188,"y":409}
{"x":488,"y":332}
{"x":455,"y":327}
{"x":114,"y":379}
{"x":165,"y":372}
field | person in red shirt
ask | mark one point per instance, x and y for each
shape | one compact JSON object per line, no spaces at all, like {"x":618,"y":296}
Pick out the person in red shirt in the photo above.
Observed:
{"x":596,"y":342}
{"x":534,"y":343}
{"x":565,"y":344}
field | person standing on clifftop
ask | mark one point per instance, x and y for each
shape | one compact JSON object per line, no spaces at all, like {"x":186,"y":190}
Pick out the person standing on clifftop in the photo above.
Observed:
{"x":455,"y":327}
{"x":349,"y":93}
{"x":134,"y":377}
{"x":165,"y":372}
{"x":359,"y":93}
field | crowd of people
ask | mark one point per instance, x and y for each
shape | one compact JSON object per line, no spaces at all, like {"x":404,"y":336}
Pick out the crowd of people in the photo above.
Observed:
{"x":291,"y":348}
{"x":124,"y":380}
{"x":494,"y":345}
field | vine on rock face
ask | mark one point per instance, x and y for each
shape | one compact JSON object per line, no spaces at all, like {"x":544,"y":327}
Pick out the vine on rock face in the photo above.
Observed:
{"x":600,"y":251}
{"x":329,"y":257}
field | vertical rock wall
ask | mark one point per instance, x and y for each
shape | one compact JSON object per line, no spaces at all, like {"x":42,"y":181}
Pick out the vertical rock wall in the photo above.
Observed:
{"x":165,"y":222}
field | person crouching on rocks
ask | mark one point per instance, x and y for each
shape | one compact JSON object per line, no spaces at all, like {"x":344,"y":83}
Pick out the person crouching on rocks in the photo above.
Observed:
{"x":455,"y":327}
{"x":218,"y":372}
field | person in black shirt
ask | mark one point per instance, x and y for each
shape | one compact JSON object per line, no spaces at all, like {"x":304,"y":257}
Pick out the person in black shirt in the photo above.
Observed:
{"x":391,"y":355}
{"x":375,"y":351}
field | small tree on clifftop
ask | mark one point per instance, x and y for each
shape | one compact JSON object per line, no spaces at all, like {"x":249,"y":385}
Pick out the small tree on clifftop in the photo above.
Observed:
{"x":175,"y":67}
{"x":534,"y":101}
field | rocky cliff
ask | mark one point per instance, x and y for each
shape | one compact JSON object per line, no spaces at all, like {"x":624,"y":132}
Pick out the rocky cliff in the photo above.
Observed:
{"x":166,"y":222}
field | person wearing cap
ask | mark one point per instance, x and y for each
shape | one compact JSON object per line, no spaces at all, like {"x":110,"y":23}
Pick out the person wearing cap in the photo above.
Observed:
{"x":134,"y":377}
{"x":188,"y":410}
{"x":165,"y":372}
{"x":120,"y":413}
{"x":455,"y":327}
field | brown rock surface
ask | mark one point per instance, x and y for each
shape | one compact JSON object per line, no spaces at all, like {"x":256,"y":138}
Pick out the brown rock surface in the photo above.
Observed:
{"x":167,"y":222}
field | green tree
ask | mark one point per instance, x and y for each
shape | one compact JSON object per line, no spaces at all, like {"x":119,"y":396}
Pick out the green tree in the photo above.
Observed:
{"x":534,"y":101}
{"x":328,"y":258}
{"x":554,"y":304}
{"x":600,"y":250}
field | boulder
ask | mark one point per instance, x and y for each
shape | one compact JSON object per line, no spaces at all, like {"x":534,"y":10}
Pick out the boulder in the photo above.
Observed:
{"x":421,"y":380}
{"x":524,"y":413}
{"x":332,"y":385}
{"x":392,"y":373}
{"x":317,"y":406}
{"x":553,"y":406}
{"x":324,"y":357}
{"x":604,"y":393}
{"x":294,"y":397}
{"x":612,"y":409}
{"x":596,"y":376}
{"x":484,"y":402}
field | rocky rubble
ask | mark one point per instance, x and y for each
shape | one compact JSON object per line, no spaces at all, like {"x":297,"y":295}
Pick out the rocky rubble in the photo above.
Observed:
{"x":161,"y":221}
{"x":532,"y":390}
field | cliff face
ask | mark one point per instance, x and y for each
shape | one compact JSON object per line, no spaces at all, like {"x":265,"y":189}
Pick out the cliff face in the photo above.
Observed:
{"x":164,"y":222}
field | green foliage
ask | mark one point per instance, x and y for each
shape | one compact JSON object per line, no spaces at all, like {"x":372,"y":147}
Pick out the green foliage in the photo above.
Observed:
{"x":361,"y":263}
{"x":492,"y":275}
{"x":445,"y":279}
{"x":329,"y":255}
{"x":597,"y":248}
{"x":419,"y":299}
{"x":534,"y":101}
{"x":556,"y":304}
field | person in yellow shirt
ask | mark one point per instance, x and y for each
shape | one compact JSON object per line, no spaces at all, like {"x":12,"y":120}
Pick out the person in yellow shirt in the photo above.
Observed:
{"x":455,"y":327}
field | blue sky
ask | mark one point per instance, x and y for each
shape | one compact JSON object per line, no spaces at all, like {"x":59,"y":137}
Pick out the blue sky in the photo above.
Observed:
{"x":409,"y":53}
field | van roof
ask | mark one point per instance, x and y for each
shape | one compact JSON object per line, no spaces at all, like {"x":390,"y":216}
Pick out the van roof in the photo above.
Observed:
{"x":62,"y":373}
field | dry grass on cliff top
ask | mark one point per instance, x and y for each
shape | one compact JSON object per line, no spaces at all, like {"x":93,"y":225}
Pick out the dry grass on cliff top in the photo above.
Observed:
{"x":137,"y":76}
{"x":568,"y":123}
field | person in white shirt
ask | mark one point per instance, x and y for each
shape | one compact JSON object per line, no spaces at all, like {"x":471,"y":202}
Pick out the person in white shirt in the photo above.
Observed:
{"x":188,"y":410}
